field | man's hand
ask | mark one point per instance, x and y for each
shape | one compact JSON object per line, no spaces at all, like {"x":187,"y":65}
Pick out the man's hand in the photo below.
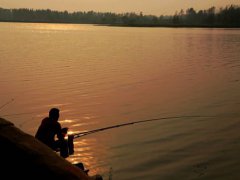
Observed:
{"x":64,"y":130}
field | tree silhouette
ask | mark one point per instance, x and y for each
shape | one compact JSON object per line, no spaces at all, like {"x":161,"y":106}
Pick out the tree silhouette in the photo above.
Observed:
{"x":224,"y":17}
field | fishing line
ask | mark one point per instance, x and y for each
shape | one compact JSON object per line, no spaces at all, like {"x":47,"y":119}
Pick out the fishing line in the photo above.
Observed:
{"x":77,"y":135}
{"x":17,"y":114}
{"x":9,"y":102}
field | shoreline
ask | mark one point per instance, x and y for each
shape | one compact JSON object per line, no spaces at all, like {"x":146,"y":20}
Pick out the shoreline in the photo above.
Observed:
{"x":133,"y":25}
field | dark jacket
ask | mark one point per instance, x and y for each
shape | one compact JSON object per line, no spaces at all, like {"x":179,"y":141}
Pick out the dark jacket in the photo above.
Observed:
{"x":47,"y":131}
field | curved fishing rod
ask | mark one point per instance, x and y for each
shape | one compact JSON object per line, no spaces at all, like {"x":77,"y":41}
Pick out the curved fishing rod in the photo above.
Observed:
{"x":77,"y":135}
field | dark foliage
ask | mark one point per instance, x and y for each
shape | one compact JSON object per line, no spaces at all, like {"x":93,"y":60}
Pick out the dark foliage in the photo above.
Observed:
{"x":224,"y":17}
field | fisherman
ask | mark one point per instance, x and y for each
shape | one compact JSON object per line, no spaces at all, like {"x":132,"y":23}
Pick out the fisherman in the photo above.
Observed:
{"x":49,"y":128}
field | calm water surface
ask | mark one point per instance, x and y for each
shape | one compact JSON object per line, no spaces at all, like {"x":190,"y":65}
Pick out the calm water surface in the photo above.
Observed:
{"x":101,"y":76}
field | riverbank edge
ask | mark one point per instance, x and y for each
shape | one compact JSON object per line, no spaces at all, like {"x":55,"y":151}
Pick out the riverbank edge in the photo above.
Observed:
{"x":135,"y":25}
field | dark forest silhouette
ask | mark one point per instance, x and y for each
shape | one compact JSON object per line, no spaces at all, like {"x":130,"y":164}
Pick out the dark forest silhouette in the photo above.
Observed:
{"x":224,"y":17}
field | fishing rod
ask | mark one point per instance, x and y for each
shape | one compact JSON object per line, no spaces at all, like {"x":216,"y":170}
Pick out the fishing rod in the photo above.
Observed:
{"x":81,"y":134}
{"x":17,"y":114}
{"x":6,"y":104}
{"x":69,"y":150}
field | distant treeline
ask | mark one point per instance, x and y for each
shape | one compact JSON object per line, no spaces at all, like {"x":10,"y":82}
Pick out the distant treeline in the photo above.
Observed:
{"x":223,"y":17}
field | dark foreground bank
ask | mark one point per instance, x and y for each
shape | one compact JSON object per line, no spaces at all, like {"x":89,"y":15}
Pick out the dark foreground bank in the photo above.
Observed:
{"x":24,"y":157}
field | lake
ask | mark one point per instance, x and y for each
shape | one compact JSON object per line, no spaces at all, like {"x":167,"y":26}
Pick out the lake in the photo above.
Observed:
{"x":100,"y":76}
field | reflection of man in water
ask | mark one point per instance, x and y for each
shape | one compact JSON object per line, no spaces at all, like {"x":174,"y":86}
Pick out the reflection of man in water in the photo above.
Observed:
{"x":49,"y":128}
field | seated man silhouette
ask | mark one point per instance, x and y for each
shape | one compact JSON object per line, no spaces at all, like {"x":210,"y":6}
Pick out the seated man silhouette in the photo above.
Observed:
{"x":49,"y":128}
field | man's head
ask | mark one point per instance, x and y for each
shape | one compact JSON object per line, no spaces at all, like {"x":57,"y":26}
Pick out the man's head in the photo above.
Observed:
{"x":54,"y":114}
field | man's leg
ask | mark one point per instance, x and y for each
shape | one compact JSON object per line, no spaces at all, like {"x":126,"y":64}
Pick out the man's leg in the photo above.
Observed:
{"x":63,"y":145}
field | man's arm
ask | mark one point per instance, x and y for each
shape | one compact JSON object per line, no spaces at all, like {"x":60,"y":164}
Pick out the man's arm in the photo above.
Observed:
{"x":60,"y":135}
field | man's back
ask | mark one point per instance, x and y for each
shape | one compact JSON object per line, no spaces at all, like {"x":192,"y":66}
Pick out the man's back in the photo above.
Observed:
{"x":47,"y":131}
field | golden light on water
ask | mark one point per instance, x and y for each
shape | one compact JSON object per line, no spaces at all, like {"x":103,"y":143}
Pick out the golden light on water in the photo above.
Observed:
{"x":49,"y":28}
{"x":79,"y":124}
{"x":67,"y":121}
{"x":71,"y":132}
{"x":89,"y":117}
{"x":57,"y":105}
{"x":83,"y":152}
